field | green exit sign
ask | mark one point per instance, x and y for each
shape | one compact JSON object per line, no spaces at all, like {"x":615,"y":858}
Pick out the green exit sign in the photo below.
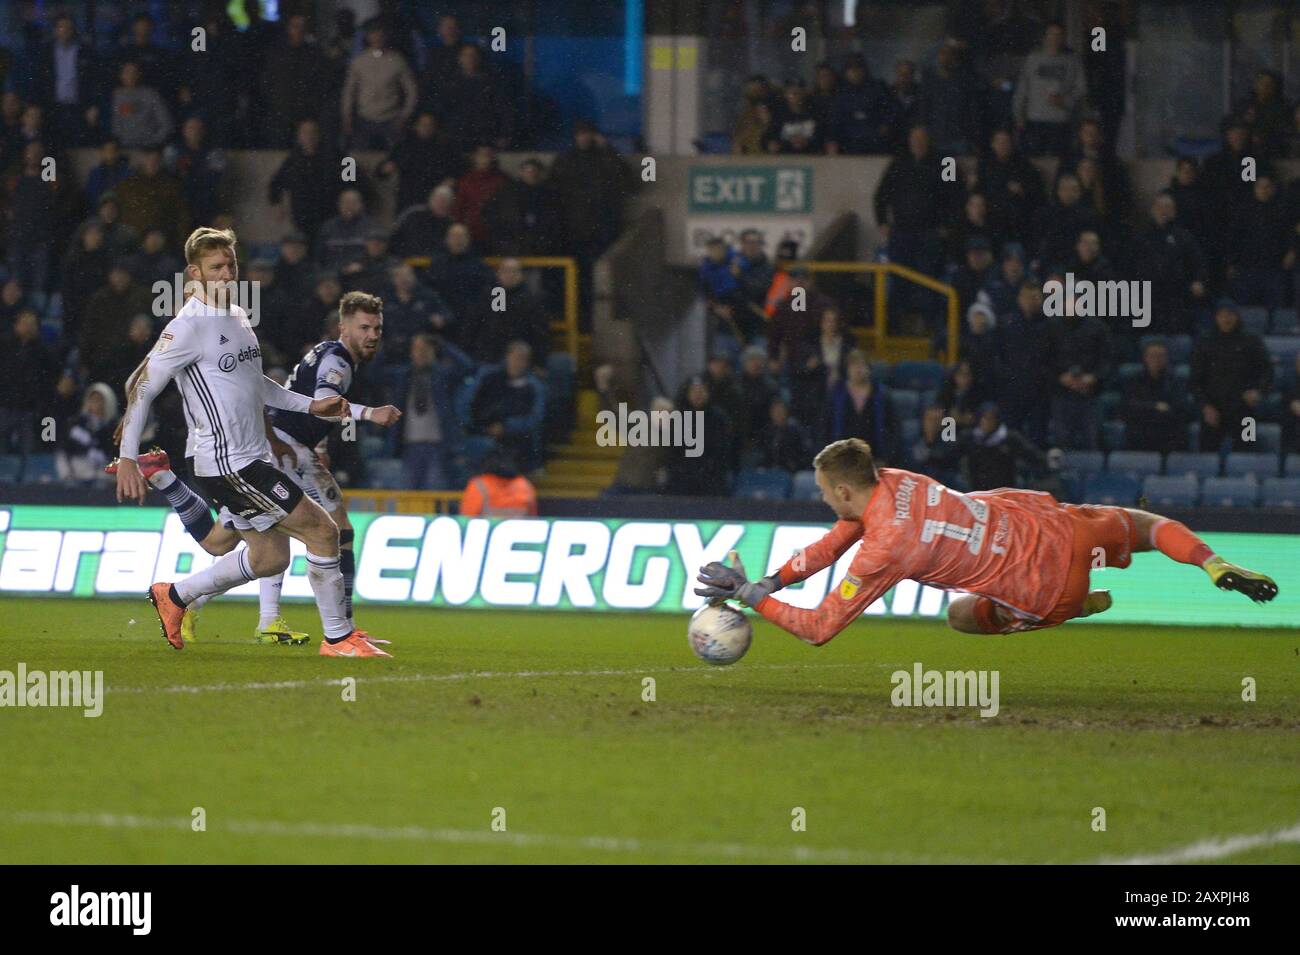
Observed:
{"x":751,"y":189}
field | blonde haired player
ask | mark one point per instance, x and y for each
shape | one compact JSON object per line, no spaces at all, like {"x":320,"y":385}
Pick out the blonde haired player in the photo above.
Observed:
{"x":1022,"y":558}
{"x":210,"y":350}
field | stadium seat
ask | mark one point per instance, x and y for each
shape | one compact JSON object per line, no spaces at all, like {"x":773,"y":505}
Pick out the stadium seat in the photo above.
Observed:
{"x":1280,"y":492}
{"x":1283,"y":348}
{"x":1182,"y":374}
{"x":1110,"y":489}
{"x":910,"y":430}
{"x":1285,"y":321}
{"x":1112,"y":435}
{"x":763,"y":484}
{"x":906,"y":403}
{"x":1111,"y":403}
{"x":1136,"y":464}
{"x":1231,"y":491}
{"x":385,"y":473}
{"x":917,"y":375}
{"x":1084,"y":462}
{"x":11,"y":465}
{"x":474,"y":448}
{"x":1254,"y":319}
{"x":1268,"y":435}
{"x":804,"y":487}
{"x":1180,"y":463}
{"x":1291,"y":466}
{"x":1128,"y":372}
{"x":1241,"y":463}
{"x":929,"y":398}
{"x":1179,"y":491}
{"x":40,"y":469}
{"x":371,"y":446}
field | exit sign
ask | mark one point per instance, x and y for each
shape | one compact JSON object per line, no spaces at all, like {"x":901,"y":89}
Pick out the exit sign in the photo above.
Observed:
{"x":751,"y":189}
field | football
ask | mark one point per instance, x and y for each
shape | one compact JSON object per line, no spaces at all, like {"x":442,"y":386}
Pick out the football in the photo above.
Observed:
{"x":719,"y":635}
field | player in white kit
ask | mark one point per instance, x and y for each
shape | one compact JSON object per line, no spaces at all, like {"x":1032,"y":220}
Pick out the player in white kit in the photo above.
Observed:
{"x":210,"y":350}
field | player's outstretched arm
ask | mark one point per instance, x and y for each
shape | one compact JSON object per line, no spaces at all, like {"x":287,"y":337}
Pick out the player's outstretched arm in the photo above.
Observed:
{"x":821,"y":554}
{"x":868,"y":579}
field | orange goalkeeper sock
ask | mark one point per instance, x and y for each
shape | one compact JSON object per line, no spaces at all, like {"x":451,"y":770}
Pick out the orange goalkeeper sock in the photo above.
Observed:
{"x":1176,"y":542}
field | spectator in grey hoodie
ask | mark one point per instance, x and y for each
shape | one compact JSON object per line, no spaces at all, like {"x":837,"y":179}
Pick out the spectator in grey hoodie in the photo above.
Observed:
{"x":1050,"y":88}
{"x":379,"y":93}
{"x":140,"y":117}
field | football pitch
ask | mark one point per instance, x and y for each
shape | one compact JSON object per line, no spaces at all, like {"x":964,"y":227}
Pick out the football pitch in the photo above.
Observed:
{"x":528,"y":737}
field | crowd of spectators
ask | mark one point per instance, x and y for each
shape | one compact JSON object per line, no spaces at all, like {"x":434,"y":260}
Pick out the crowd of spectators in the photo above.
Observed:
{"x":78,"y":306}
{"x":1042,"y":197}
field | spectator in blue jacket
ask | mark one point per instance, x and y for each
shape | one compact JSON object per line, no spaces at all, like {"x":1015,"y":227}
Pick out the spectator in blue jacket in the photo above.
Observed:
{"x":113,"y":167}
{"x":860,"y":408}
{"x":510,"y":405}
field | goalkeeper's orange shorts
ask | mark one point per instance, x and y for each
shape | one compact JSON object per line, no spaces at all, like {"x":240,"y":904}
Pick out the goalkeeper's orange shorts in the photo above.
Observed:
{"x":1104,"y":536}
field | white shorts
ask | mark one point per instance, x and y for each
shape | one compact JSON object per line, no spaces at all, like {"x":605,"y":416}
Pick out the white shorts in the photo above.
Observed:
{"x":306,"y":471}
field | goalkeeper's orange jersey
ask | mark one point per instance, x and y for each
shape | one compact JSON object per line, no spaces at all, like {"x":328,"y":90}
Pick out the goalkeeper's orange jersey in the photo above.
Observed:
{"x":1009,"y":545}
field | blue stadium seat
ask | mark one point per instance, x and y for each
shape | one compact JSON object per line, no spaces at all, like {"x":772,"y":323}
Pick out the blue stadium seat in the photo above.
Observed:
{"x":1136,"y":464}
{"x":1283,"y":348}
{"x":1182,"y":373}
{"x":1268,"y":435}
{"x":906,"y":403}
{"x":917,"y":375}
{"x":1179,"y":491}
{"x":804,"y":487}
{"x":1291,"y":465}
{"x":1110,"y":489}
{"x":1280,"y":492}
{"x":11,"y":466}
{"x":910,"y":430}
{"x":1112,"y":435}
{"x":1231,"y":491}
{"x":1111,"y":403}
{"x":1241,"y":463}
{"x":370,"y":446}
{"x":1192,"y":462}
{"x":385,"y":473}
{"x":929,"y":398}
{"x":1285,"y":321}
{"x":473,"y":449}
{"x":1254,"y":319}
{"x":40,"y":469}
{"x":1084,"y":462}
{"x":763,"y":484}
{"x":1127,"y":373}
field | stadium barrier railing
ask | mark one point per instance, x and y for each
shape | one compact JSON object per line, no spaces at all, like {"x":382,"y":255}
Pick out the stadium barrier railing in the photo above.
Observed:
{"x":880,"y":271}
{"x":384,"y":501}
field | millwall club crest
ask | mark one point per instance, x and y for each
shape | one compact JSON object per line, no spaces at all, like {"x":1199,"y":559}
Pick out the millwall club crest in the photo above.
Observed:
{"x":280,"y":491}
{"x":849,"y":586}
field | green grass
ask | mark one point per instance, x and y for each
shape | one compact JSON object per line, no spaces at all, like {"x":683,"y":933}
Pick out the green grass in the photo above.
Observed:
{"x":542,"y":714}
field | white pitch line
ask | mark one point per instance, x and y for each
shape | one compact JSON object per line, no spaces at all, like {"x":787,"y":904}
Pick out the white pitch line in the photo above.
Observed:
{"x":721,"y":850}
{"x":449,"y":677}
{"x":1208,"y":849}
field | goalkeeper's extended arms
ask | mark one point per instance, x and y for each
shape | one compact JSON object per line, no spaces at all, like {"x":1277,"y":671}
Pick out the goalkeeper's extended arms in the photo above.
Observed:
{"x":820,"y":554}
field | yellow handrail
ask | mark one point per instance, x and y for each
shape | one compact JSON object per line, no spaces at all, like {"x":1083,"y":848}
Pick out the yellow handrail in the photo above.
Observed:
{"x":569,"y":324}
{"x":385,"y":501}
{"x":880,"y":270}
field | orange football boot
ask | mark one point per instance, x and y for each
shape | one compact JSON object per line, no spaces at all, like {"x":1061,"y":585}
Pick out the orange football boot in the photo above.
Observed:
{"x":151,"y":462}
{"x":353,"y":645}
{"x":170,"y":614}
